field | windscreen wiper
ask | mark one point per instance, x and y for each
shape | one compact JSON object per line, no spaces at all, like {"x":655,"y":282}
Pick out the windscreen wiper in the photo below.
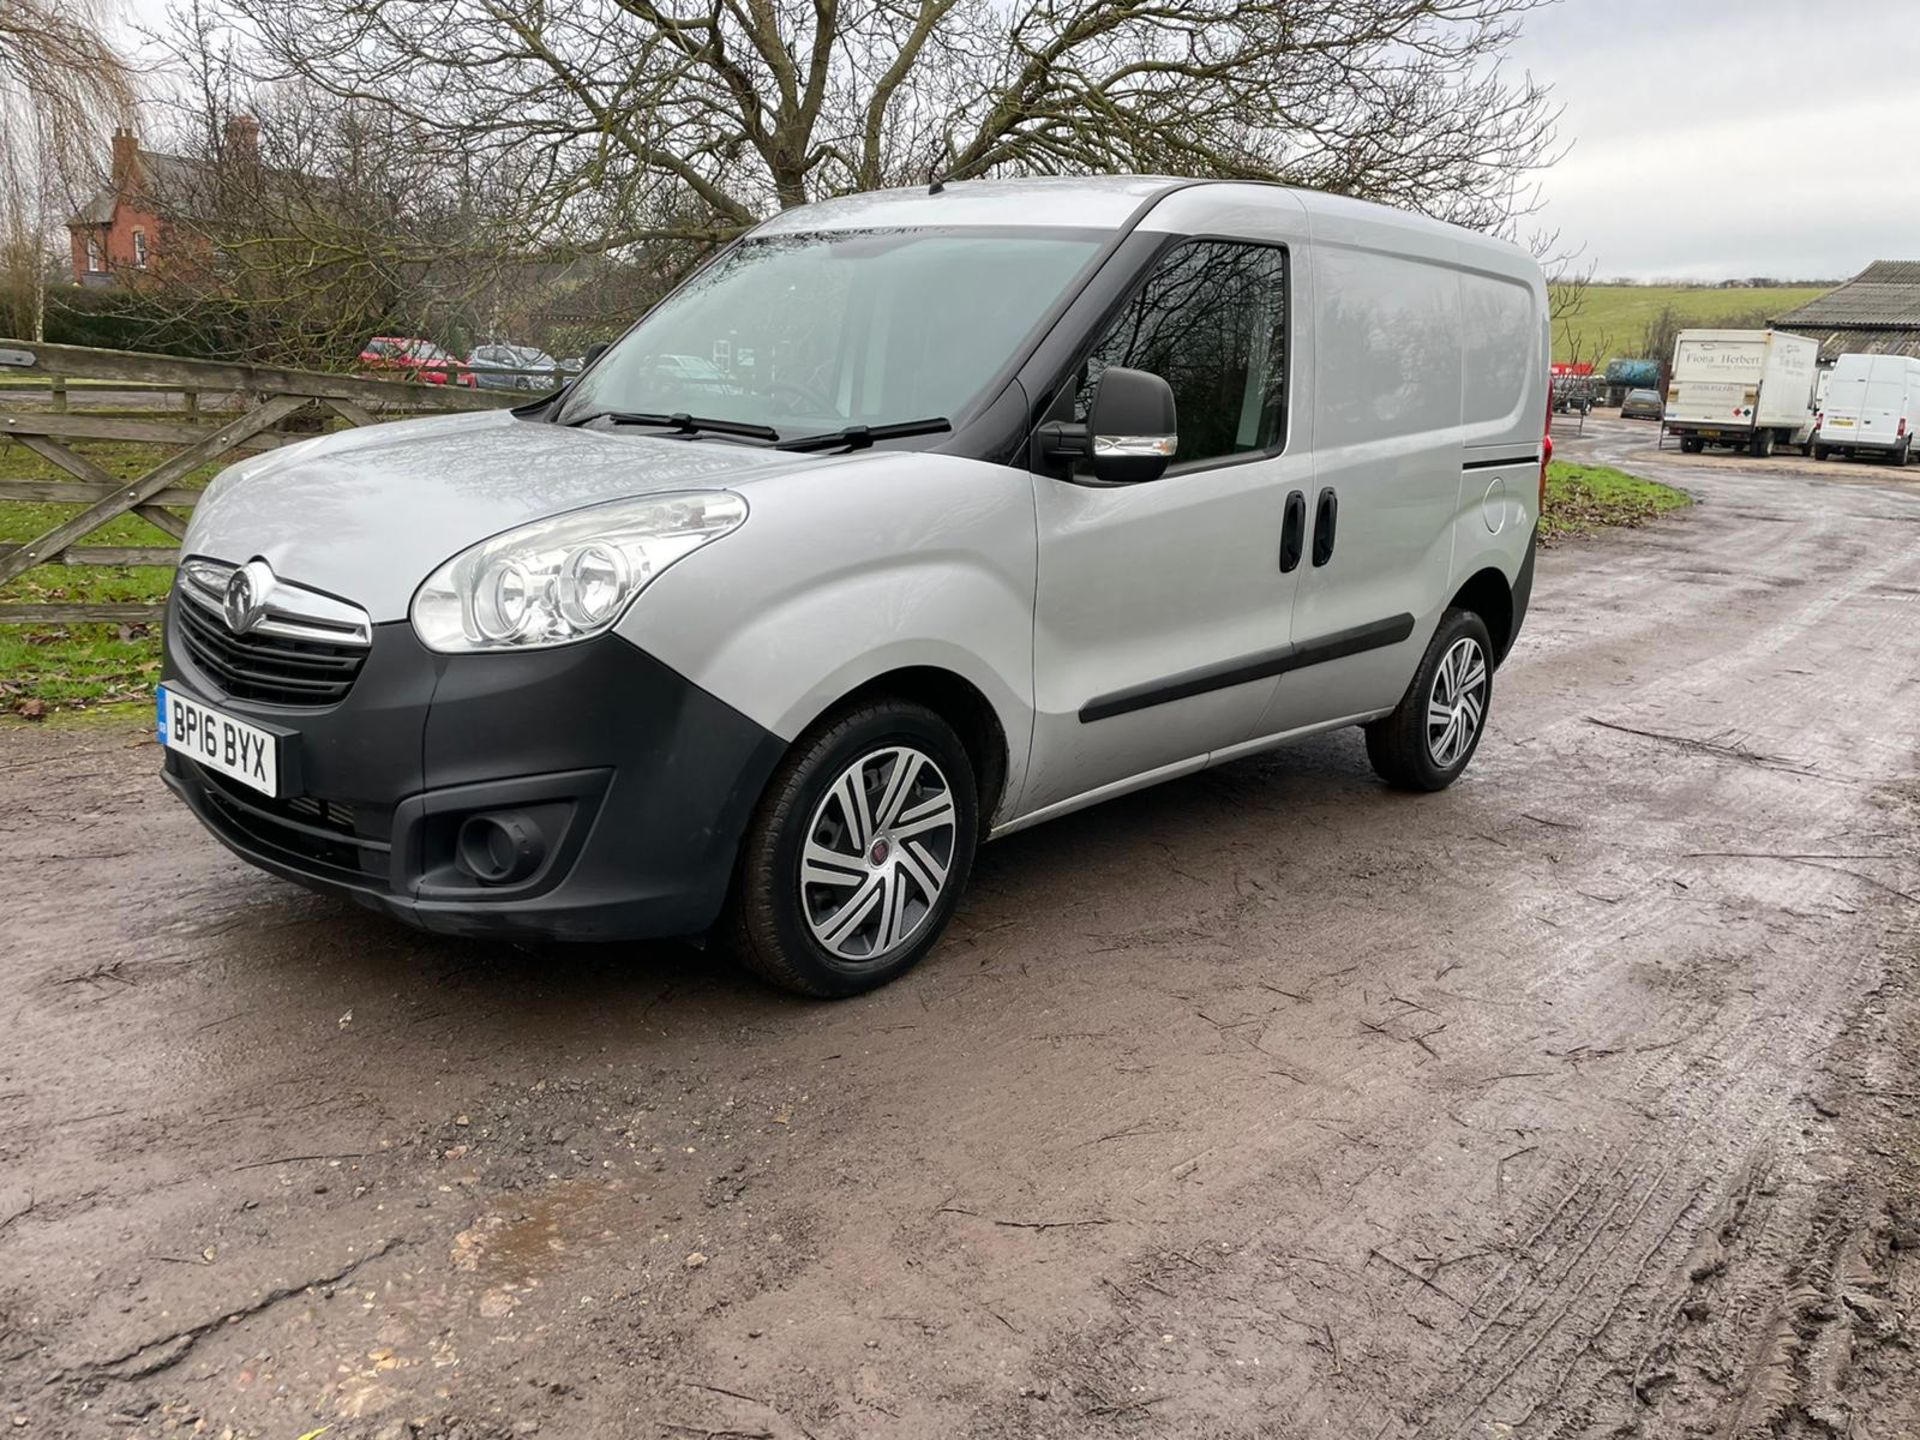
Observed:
{"x":859,"y":437}
{"x":681,"y":423}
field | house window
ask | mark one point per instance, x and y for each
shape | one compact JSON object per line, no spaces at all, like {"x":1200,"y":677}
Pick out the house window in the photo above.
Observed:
{"x":140,"y":249}
{"x":95,"y":262}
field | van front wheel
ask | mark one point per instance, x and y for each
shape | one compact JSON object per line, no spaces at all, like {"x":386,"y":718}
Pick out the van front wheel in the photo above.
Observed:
{"x":1431,"y":735}
{"x":859,"y":850}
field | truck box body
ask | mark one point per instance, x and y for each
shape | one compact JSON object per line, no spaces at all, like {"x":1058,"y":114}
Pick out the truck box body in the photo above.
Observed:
{"x":1742,"y":387}
{"x":1872,"y":404}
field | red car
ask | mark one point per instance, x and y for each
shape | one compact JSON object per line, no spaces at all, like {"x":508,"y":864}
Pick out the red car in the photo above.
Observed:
{"x":422,"y":360}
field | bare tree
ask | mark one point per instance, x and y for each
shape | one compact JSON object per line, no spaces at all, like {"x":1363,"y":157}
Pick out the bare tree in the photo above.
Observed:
{"x":61,"y":86}
{"x":619,"y":121}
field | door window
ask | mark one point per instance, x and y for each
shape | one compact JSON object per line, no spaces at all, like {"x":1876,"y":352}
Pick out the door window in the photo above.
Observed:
{"x":1211,"y":321}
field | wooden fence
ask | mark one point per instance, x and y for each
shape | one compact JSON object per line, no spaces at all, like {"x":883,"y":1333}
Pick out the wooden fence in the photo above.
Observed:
{"x":202,"y":411}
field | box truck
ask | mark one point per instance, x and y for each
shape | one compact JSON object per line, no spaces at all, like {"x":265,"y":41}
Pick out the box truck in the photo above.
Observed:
{"x":1872,"y":403}
{"x":1746,"y":388}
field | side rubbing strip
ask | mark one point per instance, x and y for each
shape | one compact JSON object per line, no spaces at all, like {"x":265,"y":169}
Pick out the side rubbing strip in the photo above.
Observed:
{"x":1531,"y":458}
{"x":1262,"y":666}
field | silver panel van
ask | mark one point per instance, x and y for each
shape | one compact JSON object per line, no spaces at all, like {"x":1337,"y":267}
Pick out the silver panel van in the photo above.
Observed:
{"x":910,"y":520}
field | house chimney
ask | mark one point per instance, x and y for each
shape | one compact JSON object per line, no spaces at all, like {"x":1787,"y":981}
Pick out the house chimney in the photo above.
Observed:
{"x":126,"y":150}
{"x":243,"y":139}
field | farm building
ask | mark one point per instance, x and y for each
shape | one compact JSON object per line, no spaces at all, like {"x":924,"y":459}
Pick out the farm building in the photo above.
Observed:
{"x":1875,"y":313}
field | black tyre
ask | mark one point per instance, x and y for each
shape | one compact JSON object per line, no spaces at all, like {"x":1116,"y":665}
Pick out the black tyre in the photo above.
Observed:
{"x":1431,"y":735}
{"x":859,"y":850}
{"x":1821,"y":452}
{"x":1904,"y":453}
{"x":1692,"y":444}
{"x":1761,"y":445}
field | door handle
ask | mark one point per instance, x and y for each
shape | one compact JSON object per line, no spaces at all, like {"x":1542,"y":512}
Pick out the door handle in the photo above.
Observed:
{"x":1323,"y":527}
{"x":1293,"y":532}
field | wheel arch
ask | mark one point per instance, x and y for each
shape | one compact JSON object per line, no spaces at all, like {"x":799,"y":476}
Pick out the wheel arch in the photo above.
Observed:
{"x":1489,"y":595}
{"x":958,"y":701}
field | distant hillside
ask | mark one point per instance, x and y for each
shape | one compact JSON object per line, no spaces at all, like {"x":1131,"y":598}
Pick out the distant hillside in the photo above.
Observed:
{"x":1620,"y":313}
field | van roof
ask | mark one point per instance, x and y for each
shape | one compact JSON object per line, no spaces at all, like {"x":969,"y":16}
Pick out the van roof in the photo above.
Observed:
{"x":1096,"y":203}
{"x":1108,"y":202}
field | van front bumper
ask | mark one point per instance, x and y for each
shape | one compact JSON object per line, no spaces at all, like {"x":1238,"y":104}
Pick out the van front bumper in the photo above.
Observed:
{"x":636,"y":784}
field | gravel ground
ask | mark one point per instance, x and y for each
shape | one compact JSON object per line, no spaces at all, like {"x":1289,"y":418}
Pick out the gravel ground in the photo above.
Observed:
{"x":1581,"y":1100}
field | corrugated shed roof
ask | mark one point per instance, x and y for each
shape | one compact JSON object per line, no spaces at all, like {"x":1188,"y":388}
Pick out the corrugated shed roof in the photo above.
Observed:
{"x":1884,"y":296}
{"x":1835,"y":343}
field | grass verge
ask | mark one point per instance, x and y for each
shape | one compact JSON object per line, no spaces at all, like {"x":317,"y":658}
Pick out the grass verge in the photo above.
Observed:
{"x":1584,"y":498}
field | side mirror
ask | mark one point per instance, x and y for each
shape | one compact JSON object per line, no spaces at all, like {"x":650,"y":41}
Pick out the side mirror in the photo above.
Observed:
{"x":595,"y":351}
{"x":1134,"y":431}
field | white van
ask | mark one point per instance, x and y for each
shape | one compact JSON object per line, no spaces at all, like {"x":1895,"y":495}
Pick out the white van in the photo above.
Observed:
{"x":983,"y":504}
{"x":1871,"y":408}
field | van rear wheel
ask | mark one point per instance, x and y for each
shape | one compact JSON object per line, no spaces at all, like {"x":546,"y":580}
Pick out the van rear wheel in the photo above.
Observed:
{"x":858,"y":852}
{"x":1431,"y":735}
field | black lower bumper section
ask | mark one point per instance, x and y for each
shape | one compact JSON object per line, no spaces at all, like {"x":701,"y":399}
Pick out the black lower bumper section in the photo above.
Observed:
{"x":627,"y":785}
{"x":1522,"y":594}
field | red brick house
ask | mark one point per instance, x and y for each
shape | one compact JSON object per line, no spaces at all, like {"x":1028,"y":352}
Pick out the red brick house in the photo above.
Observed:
{"x":124,"y":229}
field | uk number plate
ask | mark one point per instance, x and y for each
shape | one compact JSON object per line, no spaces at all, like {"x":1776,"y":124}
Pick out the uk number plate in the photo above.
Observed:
{"x":236,"y":749}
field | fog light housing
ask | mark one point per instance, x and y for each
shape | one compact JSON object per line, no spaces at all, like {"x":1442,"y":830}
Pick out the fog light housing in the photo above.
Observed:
{"x":499,"y":848}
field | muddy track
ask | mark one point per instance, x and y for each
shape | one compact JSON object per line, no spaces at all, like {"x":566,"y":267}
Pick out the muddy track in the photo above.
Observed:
{"x":1581,"y":1100}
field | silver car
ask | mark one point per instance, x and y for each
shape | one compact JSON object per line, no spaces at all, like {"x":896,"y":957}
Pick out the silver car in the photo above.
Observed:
{"x":513,"y":367}
{"x":911,"y":520}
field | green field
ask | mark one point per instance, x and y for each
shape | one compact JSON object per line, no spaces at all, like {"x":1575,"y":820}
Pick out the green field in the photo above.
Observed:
{"x":1615,"y":317}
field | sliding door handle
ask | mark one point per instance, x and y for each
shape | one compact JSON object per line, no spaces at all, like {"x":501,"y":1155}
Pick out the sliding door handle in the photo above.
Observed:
{"x":1324,"y":524}
{"x":1293,"y":533}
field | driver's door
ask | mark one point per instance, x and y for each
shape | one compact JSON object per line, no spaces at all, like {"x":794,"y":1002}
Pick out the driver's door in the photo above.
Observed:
{"x":1161,"y":607}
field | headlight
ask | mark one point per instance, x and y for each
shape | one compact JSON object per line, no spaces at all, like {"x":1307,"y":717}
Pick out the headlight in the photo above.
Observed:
{"x":567,"y":577}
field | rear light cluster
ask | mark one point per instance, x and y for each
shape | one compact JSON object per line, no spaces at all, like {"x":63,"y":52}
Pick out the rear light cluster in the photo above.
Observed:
{"x":1546,"y":447}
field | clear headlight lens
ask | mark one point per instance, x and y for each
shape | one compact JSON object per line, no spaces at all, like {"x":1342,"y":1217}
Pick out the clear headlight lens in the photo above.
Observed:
{"x":566,"y":577}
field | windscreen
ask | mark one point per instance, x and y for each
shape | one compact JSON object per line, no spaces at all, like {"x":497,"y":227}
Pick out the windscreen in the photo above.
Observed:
{"x":809,"y":333}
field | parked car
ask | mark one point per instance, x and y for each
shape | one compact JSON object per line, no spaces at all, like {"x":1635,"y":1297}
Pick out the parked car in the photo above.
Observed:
{"x":421,"y":360}
{"x":1573,"y":394}
{"x":1036,"y":492}
{"x":513,"y":367}
{"x":1642,"y":405}
{"x":1871,"y":408}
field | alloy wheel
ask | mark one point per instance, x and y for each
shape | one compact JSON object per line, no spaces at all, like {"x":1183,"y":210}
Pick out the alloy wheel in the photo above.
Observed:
{"x":1458,"y":702}
{"x":878,"y":851}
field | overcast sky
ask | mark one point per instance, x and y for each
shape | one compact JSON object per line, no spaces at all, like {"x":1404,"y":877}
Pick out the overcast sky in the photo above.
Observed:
{"x":1717,"y":138}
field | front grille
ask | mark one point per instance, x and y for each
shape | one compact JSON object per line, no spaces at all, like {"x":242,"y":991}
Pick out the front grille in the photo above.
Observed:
{"x":268,"y":668}
{"x":294,"y":646}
